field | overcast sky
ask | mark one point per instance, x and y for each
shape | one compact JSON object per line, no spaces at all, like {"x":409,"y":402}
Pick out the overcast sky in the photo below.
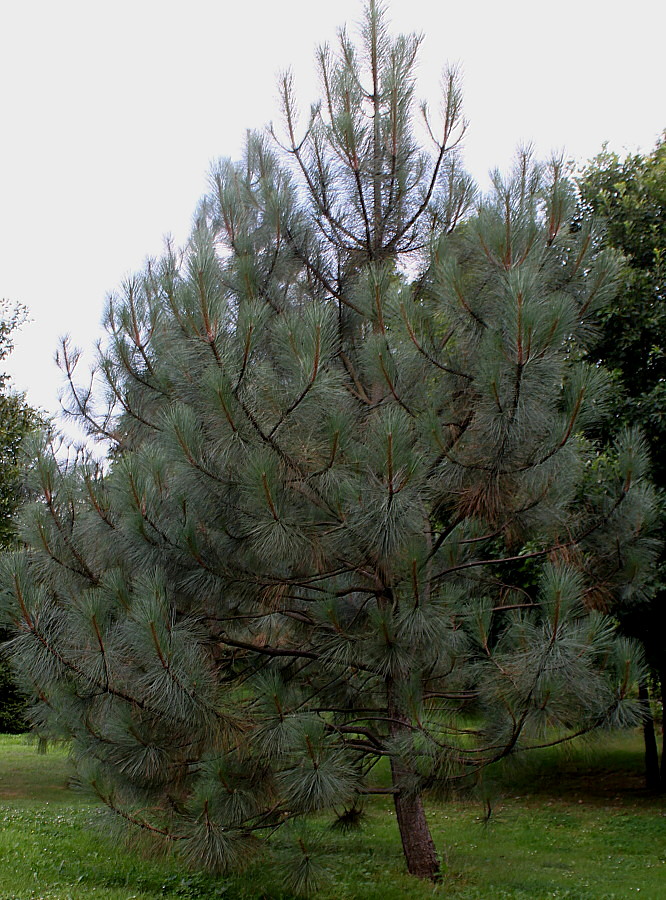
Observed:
{"x":113,"y":112}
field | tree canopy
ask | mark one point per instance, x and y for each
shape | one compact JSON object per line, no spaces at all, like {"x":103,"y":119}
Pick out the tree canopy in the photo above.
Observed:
{"x":17,"y":420}
{"x":629,"y":195}
{"x":339,"y":421}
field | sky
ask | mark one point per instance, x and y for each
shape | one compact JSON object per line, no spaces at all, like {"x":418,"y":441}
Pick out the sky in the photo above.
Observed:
{"x":112,"y":114}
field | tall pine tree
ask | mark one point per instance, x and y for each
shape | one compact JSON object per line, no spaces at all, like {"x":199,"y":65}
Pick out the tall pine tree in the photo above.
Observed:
{"x":336,"y":422}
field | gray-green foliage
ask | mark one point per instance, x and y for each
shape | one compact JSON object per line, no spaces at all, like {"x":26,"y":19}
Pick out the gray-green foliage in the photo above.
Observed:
{"x":341,"y":424}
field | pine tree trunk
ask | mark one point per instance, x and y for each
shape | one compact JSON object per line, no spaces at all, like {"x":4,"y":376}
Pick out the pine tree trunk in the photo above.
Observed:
{"x":417,"y":843}
{"x":652,"y":778}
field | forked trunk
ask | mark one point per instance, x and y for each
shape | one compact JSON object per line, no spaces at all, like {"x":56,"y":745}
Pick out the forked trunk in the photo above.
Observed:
{"x":417,"y":843}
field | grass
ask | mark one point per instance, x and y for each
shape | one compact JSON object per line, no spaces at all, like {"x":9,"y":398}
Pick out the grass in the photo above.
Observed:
{"x":577,"y":826}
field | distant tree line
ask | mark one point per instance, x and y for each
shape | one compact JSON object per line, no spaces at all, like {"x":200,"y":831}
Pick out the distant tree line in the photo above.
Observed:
{"x":17,"y":420}
{"x":629,"y":195}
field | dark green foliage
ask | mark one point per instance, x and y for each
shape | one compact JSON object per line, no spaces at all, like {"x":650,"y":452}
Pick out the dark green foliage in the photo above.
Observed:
{"x":12,"y":703}
{"x":17,"y":420}
{"x":336,"y":422}
{"x":630,"y":195}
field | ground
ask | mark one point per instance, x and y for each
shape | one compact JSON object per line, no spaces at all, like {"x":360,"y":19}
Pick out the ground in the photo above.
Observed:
{"x":576,"y":825}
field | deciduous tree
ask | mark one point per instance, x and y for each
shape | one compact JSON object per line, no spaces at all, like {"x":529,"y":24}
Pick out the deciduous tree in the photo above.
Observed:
{"x":630,"y":195}
{"x":17,"y":420}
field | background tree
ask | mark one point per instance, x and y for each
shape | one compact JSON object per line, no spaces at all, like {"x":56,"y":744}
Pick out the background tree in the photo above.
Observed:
{"x":630,"y":195}
{"x":334,"y":423}
{"x":17,"y":420}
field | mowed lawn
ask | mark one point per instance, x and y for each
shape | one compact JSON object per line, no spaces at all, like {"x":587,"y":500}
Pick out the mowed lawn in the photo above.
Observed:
{"x":577,"y":825}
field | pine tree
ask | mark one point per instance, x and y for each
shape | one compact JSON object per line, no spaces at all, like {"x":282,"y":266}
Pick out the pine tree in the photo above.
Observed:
{"x":343,"y":424}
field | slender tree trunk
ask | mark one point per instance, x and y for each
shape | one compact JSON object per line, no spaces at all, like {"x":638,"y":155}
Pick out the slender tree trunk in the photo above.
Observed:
{"x":662,"y":682}
{"x":417,"y":843}
{"x":652,"y":778}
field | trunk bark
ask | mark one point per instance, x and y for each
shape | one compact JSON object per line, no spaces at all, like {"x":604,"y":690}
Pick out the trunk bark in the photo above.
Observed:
{"x":417,"y":843}
{"x":652,"y":777}
{"x":662,"y":681}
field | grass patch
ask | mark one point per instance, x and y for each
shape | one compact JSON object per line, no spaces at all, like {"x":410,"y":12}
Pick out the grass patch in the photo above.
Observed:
{"x":28,"y":775}
{"x":576,"y":825}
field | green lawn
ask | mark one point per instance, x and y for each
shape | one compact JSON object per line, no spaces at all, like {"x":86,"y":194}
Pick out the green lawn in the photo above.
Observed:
{"x":578,"y":826}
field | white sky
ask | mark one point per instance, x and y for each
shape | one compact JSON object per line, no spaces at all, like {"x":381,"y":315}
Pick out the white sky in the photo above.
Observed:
{"x":112,"y":112}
